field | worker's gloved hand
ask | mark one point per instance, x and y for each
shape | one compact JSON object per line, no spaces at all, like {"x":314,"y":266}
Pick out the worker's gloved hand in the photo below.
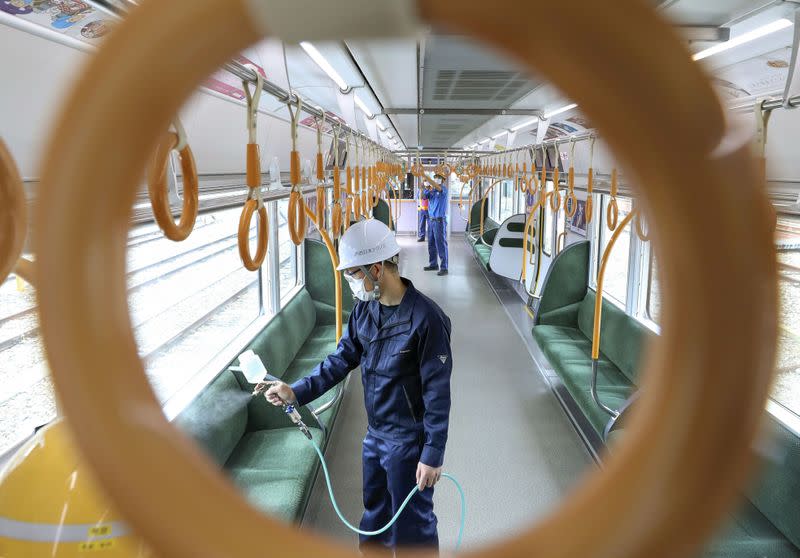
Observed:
{"x":279,"y":393}
{"x":427,"y":476}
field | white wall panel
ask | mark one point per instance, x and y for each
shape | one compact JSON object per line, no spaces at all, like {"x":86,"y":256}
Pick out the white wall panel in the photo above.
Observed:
{"x":34,"y":81}
{"x":37,"y":79}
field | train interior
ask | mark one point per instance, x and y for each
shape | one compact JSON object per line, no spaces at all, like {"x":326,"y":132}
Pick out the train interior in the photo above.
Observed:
{"x":554,"y":284}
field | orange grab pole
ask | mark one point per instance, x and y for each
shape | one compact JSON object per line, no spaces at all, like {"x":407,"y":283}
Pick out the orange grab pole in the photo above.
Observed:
{"x":483,"y":200}
{"x":13,"y":213}
{"x":157,"y":189}
{"x":525,"y":251}
{"x":337,"y":278}
{"x":598,"y":301}
{"x":590,"y":185}
{"x":672,"y":450}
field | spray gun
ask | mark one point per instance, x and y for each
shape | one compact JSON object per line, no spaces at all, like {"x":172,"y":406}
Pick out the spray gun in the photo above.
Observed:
{"x":288,"y":408}
{"x":254,"y":371}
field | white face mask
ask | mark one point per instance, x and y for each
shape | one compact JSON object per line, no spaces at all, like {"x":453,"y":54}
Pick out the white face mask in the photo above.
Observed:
{"x":359,"y":290}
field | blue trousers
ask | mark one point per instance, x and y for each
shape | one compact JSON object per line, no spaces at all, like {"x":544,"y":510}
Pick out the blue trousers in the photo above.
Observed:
{"x":422,"y":221}
{"x":437,"y":243}
{"x":390,"y":471}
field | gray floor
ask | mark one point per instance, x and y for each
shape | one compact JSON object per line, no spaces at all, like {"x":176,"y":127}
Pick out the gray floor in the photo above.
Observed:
{"x":510,"y":444}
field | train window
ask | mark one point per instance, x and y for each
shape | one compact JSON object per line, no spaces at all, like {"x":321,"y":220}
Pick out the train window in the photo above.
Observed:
{"x":786,"y":389}
{"x":547,"y":227}
{"x":26,"y":400}
{"x":506,"y":201}
{"x":287,"y":252}
{"x":188,"y":301}
{"x":653,"y":292}
{"x":616,"y":280}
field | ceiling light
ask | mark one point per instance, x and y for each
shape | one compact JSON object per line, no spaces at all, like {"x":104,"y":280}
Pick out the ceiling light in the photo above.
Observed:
{"x":315,"y":55}
{"x":500,"y":134}
{"x":525,"y":124}
{"x":559,"y":111}
{"x":757,"y":33}
{"x":381,"y":127}
{"x":362,"y":106}
{"x":487,"y":140}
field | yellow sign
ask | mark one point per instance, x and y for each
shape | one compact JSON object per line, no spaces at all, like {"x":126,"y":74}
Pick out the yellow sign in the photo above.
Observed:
{"x":92,"y":546}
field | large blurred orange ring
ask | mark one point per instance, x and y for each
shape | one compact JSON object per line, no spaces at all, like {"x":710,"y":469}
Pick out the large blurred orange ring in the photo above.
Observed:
{"x":671,"y":480}
{"x":13,"y":213}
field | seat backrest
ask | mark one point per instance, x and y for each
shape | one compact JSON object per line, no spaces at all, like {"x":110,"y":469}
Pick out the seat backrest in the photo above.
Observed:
{"x":475,"y":215}
{"x":319,"y":276}
{"x":278,"y":343}
{"x":382,"y":213}
{"x":566,"y":279}
{"x":621,"y":336}
{"x":217,"y":418}
{"x":778,"y":491}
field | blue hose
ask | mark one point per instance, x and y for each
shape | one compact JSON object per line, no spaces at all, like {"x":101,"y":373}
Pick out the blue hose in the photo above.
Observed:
{"x":399,"y":511}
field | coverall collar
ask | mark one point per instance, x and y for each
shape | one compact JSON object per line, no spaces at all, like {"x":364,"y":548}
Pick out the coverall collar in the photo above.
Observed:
{"x":400,"y":322}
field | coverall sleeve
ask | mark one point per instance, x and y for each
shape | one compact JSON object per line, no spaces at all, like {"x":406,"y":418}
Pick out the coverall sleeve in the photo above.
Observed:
{"x":334,"y":368}
{"x":436,"y":364}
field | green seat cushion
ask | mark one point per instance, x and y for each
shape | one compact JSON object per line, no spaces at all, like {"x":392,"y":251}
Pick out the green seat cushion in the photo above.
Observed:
{"x":749,"y":534}
{"x":275,"y":468}
{"x":613,"y":397}
{"x":483,"y":253}
{"x":777,"y":493}
{"x":278,"y":343}
{"x":561,"y":316}
{"x":545,"y":334}
{"x":217,"y":418}
{"x":622,"y":338}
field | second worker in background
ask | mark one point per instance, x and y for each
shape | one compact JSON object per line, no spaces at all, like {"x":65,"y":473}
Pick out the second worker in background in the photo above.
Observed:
{"x":436,"y":193}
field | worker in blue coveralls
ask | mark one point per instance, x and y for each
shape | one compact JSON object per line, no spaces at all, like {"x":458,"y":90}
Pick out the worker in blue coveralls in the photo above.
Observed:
{"x":401,"y":340}
{"x":436,"y":193}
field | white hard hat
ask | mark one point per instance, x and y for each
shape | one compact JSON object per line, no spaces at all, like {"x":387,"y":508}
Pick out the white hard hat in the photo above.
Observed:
{"x":365,"y":243}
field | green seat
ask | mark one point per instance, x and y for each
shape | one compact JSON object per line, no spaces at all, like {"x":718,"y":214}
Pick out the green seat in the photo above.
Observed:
{"x":768,"y":524}
{"x":483,"y":253}
{"x":253,"y":441}
{"x":275,"y":469}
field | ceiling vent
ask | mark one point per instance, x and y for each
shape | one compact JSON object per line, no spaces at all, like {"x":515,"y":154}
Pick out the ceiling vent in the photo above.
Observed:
{"x":479,"y":86}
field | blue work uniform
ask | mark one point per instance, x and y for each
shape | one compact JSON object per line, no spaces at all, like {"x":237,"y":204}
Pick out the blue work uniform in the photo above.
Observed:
{"x":406,"y":364}
{"x":422,"y":218}
{"x":437,"y":228}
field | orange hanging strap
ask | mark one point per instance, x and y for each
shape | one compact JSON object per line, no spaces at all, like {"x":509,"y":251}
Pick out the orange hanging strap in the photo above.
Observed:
{"x":254,"y":202}
{"x":590,"y":185}
{"x":571,"y":201}
{"x":357,"y":184}
{"x":336,"y":208}
{"x":320,"y":213}
{"x":297,"y":210}
{"x":612,"y":212}
{"x":760,"y":151}
{"x":157,"y":187}
{"x":555,"y":196}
